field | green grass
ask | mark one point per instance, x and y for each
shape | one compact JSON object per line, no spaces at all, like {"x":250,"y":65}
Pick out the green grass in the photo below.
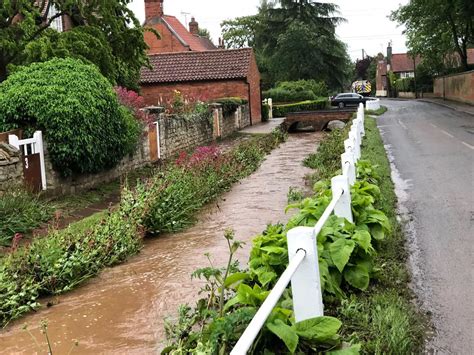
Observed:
{"x":385,"y":318}
{"x":378,"y":112}
{"x":20,"y":212}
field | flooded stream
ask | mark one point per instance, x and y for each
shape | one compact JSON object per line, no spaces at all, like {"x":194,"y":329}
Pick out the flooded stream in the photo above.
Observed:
{"x":122,"y":310}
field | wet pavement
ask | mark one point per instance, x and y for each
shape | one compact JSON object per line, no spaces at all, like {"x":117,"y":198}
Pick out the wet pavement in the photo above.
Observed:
{"x":432,"y":154}
{"x":122,"y":310}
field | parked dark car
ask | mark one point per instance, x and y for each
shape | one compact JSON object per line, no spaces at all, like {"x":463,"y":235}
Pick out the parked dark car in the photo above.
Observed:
{"x":348,"y":99}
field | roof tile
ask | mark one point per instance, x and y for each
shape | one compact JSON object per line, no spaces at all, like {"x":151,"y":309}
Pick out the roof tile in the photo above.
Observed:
{"x":195,"y":43}
{"x":197,"y":66}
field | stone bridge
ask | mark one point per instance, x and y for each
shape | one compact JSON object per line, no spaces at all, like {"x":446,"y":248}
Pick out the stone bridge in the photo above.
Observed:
{"x":318,"y":119}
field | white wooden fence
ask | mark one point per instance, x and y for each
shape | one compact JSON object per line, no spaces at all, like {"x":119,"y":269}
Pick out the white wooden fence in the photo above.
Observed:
{"x":303,"y":267}
{"x":31,"y":146}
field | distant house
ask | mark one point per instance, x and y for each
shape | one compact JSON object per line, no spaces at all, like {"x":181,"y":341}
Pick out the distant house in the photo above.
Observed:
{"x":48,"y":11}
{"x":403,"y":65}
{"x":184,"y":61}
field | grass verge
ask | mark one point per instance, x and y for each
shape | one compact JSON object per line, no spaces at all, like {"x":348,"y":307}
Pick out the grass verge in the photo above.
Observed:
{"x":378,"y":112}
{"x":385,"y":319}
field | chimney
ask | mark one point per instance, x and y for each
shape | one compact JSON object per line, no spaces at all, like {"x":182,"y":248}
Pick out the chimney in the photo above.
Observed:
{"x":153,"y":9}
{"x":389,"y":53}
{"x":194,"y":27}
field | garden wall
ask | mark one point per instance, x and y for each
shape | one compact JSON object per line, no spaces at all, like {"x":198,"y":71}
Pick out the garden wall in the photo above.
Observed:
{"x":176,"y":134}
{"x":456,"y":87}
{"x":11,"y":168}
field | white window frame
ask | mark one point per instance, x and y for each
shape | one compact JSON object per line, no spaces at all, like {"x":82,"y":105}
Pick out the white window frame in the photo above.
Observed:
{"x":57,"y":23}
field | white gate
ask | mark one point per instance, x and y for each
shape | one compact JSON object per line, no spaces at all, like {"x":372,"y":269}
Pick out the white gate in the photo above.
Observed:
{"x":30,"y":148}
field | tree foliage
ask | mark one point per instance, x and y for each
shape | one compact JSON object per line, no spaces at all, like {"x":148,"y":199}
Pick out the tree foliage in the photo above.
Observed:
{"x":85,"y":128}
{"x":436,"y":29}
{"x":105,"y":33}
{"x":293,"y":39}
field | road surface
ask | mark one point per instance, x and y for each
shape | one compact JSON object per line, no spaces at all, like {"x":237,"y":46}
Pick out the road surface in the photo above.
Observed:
{"x":432,"y":153}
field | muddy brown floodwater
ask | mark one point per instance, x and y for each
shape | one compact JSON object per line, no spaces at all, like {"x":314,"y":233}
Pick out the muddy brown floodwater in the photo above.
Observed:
{"x":122,"y":310}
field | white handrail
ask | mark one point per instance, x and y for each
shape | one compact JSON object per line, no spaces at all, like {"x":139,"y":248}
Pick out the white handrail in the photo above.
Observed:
{"x":252,"y":330}
{"x":302,"y":243}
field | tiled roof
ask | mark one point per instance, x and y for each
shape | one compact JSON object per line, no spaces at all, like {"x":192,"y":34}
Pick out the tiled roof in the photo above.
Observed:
{"x":44,"y":11}
{"x":195,"y":43}
{"x":198,"y":66}
{"x":402,"y":62}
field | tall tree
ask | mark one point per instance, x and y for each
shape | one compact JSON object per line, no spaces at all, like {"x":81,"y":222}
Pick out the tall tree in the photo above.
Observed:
{"x":104,"y":32}
{"x":293,"y":39}
{"x":438,"y":28}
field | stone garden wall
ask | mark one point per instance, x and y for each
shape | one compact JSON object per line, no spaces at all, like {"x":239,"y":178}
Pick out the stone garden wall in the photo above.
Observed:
{"x":175,"y":133}
{"x":11,"y":168}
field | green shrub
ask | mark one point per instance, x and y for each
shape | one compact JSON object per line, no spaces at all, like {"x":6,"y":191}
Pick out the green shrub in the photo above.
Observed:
{"x":77,"y":109}
{"x":20,"y":212}
{"x":283,"y":95}
{"x":405,"y":85}
{"x":294,"y":91}
{"x":283,"y":110}
{"x":265,"y":112}
{"x":230,"y":104}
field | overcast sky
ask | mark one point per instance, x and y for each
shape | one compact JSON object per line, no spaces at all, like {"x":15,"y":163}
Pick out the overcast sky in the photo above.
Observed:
{"x":367,"y":25}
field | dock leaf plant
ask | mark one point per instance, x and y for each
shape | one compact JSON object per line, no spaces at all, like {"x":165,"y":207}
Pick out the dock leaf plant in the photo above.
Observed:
{"x":346,"y":263}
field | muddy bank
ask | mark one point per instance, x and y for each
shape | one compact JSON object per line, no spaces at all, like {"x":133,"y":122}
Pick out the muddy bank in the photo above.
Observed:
{"x":122,"y":310}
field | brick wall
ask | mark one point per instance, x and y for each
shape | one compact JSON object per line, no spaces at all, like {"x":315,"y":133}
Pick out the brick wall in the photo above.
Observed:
{"x":11,"y":168}
{"x":167,"y":43}
{"x":158,"y":94}
{"x":456,"y":87}
{"x":255,"y":98}
{"x":176,"y":134}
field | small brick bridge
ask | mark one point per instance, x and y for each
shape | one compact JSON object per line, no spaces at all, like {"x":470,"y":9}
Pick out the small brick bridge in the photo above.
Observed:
{"x":318,"y":119}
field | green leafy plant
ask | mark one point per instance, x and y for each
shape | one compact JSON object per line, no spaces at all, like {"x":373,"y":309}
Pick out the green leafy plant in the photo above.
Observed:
{"x":20,"y":212}
{"x":294,"y":91}
{"x":85,"y":127}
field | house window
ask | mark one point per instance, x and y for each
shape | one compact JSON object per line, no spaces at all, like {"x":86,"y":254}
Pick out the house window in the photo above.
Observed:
{"x":57,"y":23}
{"x":407,"y":74}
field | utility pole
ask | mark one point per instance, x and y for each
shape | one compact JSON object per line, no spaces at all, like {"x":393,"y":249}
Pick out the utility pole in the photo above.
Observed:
{"x":363,"y":53}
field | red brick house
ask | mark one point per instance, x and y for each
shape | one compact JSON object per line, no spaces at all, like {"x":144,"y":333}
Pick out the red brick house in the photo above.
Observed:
{"x":182,"y":60}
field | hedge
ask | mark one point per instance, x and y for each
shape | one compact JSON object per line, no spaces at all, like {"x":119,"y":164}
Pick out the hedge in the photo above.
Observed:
{"x":295,"y":91}
{"x":230,"y":104}
{"x":310,"y":105}
{"x":85,"y":127}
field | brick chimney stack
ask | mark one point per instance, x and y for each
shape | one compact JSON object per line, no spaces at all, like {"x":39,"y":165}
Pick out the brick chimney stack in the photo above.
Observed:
{"x":153,"y":9}
{"x":194,"y":27}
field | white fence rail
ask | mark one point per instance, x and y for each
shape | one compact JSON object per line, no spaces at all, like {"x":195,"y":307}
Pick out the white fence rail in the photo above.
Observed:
{"x":372,"y":104}
{"x":303,"y":267}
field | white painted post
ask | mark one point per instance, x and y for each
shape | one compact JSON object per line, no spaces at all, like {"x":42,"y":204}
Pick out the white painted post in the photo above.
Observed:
{"x":39,"y":148}
{"x":14,"y":141}
{"x":347,"y":161}
{"x":349,"y":146}
{"x":158,"y":139}
{"x":353,"y":137}
{"x":270,"y":108}
{"x":343,"y":206}
{"x":306,"y":282}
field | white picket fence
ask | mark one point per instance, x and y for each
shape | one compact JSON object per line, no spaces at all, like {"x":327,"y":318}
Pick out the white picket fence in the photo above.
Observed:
{"x":303,"y":267}
{"x":372,"y":104}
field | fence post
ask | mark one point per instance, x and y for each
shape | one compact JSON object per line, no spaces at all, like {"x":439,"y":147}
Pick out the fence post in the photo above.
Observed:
{"x":353,"y":138}
{"x":347,"y":159}
{"x":14,"y":141}
{"x":305,"y":283}
{"x":270,"y":108}
{"x":343,"y":206}
{"x":38,"y":136}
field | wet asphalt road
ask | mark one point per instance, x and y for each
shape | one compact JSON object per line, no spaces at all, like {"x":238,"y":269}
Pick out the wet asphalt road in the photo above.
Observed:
{"x":432,"y":151}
